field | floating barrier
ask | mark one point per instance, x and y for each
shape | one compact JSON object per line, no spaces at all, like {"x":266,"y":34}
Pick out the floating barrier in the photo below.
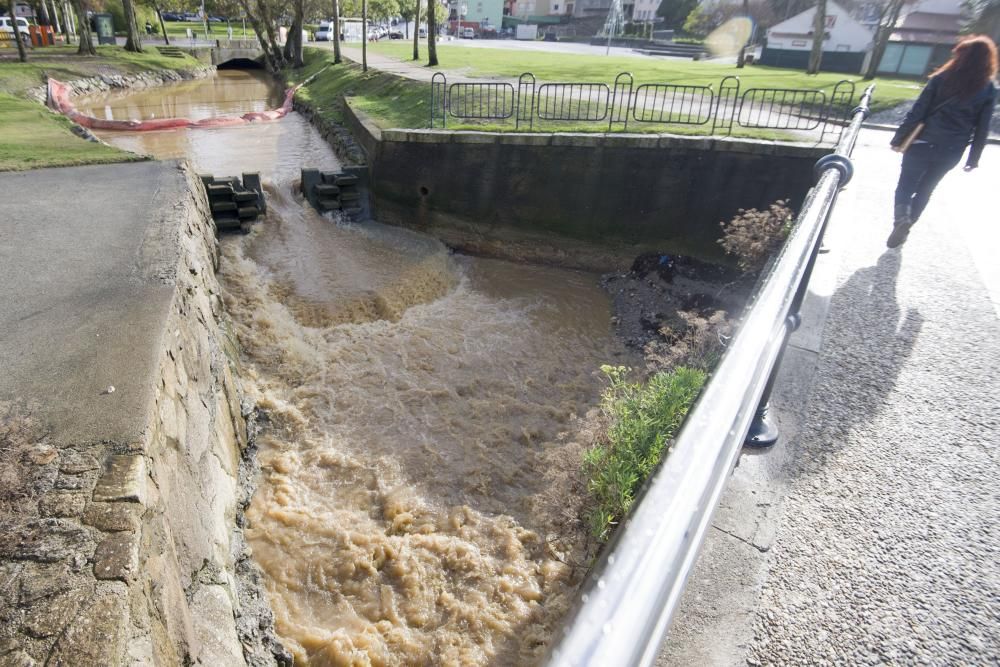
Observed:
{"x":58,"y":100}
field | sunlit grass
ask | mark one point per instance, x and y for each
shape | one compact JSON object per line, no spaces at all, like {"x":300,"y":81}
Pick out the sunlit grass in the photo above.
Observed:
{"x":574,"y":67}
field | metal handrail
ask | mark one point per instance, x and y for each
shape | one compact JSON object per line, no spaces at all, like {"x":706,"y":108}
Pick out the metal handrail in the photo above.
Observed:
{"x":623,"y":613}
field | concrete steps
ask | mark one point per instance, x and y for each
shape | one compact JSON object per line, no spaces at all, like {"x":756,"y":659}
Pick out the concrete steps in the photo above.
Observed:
{"x":170,"y":51}
{"x":236,"y":203}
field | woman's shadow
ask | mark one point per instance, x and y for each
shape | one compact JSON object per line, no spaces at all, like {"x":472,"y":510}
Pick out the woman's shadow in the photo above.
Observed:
{"x":867,"y":340}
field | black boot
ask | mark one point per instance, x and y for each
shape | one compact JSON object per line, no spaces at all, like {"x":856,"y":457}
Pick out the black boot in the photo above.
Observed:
{"x":901,"y":226}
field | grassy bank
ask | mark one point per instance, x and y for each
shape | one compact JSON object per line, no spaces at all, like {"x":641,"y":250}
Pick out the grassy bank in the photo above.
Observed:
{"x":573,"y":67}
{"x":396,"y":102}
{"x":31,"y":136}
{"x":61,"y":62}
{"x":391,"y":101}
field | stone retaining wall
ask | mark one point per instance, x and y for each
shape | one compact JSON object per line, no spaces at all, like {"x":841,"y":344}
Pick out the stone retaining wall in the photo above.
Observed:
{"x":106,"y":82}
{"x":552,"y":197}
{"x":132,"y":553}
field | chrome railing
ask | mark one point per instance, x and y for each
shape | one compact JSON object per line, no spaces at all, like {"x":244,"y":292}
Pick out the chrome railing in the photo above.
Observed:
{"x":626,"y":606}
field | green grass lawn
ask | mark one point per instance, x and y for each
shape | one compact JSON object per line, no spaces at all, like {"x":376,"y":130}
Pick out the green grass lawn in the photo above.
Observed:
{"x":61,"y":62}
{"x":33,"y":137}
{"x":391,"y":101}
{"x":510,"y":63}
{"x":177,"y":30}
{"x":395,"y":102}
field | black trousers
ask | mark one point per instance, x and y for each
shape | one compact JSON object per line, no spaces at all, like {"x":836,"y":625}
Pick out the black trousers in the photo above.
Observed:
{"x":924,"y":166}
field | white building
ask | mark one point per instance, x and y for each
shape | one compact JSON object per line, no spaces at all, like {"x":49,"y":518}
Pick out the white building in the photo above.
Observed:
{"x":645,"y":10}
{"x":844,"y":46}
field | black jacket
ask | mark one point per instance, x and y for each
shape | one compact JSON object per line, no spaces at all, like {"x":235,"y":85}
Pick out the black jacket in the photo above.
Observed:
{"x":950,"y":121}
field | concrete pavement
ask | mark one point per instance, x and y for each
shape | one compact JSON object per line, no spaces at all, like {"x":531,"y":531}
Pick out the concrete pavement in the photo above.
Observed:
{"x":867,"y":535}
{"x":86,"y":293}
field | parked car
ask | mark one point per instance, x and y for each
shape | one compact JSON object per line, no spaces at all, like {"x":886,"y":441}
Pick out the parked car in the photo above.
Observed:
{"x":171,"y":16}
{"x":422,"y":32}
{"x":395,"y":34}
{"x":22,"y":26}
{"x":468,"y":33}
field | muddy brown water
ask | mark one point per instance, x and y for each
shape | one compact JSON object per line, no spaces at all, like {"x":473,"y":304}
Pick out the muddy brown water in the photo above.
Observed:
{"x":411,"y":400}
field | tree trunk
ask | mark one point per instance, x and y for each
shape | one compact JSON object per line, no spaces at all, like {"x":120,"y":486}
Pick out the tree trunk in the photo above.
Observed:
{"x":364,"y":35}
{"x":416,"y":32}
{"x":68,"y":29}
{"x":268,"y":23}
{"x":83,"y":28}
{"x":336,"y":31}
{"x":22,"y":55}
{"x":132,"y":40}
{"x":886,"y":24}
{"x":819,"y":32}
{"x":741,"y":58}
{"x":163,"y":28}
{"x":261,"y":32}
{"x":297,"y":25}
{"x":55,"y":16}
{"x":432,"y":55}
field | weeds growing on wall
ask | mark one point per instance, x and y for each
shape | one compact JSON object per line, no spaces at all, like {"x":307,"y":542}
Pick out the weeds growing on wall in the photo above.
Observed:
{"x":754,"y":236}
{"x":643,"y":419}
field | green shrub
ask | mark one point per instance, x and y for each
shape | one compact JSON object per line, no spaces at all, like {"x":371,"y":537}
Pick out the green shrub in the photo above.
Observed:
{"x":643,"y":420}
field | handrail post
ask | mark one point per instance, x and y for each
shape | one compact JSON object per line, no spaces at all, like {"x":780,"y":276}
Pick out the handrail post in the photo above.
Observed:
{"x":764,"y":431}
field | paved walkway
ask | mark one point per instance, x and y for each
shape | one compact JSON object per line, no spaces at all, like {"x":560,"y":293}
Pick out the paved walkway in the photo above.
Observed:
{"x":87,"y":259}
{"x":869,"y":534}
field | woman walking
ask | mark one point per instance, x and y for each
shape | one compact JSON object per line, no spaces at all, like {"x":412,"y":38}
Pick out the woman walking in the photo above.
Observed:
{"x":954,"y":106}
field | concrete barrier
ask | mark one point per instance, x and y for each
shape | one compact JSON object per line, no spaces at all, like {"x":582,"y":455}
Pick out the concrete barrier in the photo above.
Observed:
{"x":626,"y":192}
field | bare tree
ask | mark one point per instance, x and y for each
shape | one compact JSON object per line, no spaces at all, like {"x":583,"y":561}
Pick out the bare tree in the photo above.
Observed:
{"x":336,"y":31}
{"x":432,"y":54}
{"x":819,"y":34}
{"x":888,"y":16}
{"x":22,"y":54}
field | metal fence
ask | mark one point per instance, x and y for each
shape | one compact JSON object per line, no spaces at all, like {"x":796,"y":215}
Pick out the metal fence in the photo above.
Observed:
{"x":718,"y":109}
{"x":626,"y":605}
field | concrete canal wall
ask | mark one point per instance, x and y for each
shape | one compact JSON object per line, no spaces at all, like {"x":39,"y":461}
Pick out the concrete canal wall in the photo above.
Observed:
{"x":538,"y":193}
{"x":121,"y":413}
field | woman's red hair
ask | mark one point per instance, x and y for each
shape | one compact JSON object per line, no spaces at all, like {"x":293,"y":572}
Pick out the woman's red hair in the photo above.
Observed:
{"x":973,"y":64}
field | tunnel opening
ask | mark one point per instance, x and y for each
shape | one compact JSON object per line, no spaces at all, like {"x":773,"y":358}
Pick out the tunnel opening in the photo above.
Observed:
{"x":241,"y":63}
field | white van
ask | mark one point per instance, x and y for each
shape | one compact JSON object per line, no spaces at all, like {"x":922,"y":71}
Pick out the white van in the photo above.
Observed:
{"x":468,"y":33}
{"x":22,"y":26}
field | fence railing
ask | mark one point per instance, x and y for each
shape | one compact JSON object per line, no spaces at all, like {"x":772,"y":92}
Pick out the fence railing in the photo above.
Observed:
{"x":719,"y":109}
{"x":627,"y":603}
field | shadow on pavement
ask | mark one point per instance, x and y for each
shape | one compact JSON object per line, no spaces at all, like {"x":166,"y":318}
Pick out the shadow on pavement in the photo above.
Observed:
{"x":869,"y":337}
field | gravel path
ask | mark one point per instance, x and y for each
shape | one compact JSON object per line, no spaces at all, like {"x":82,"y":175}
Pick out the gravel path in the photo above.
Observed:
{"x":887,"y":549}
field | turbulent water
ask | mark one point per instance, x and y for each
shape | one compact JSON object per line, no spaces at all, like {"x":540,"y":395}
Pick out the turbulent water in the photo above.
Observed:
{"x":413,"y":403}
